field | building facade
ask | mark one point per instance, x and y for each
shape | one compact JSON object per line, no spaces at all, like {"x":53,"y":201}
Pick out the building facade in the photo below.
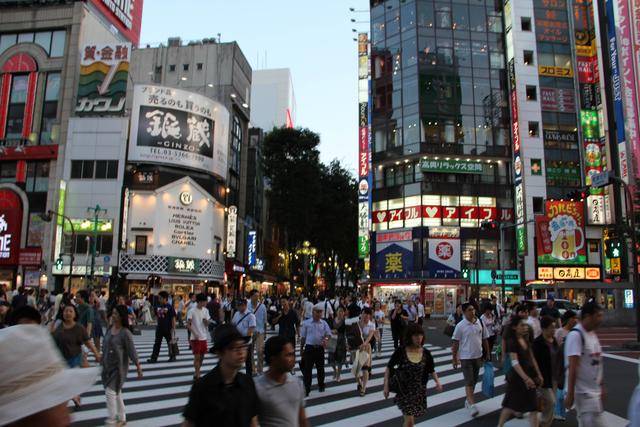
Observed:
{"x":220,"y":73}
{"x":40,"y":63}
{"x":440,"y":149}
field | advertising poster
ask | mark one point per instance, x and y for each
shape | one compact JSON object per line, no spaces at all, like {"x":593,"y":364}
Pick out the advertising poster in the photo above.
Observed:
{"x":10,"y":227}
{"x":102,"y":87}
{"x":179,"y":128}
{"x":521,"y":229}
{"x":364,"y":143}
{"x":394,"y":255}
{"x":560,"y":234}
{"x":444,"y":258}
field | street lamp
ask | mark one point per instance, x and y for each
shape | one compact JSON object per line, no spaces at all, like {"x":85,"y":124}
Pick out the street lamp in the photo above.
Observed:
{"x":46,"y":217}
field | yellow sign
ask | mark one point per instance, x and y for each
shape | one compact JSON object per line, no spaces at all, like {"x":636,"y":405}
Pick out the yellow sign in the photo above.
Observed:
{"x":545,"y":273}
{"x":551,"y":71}
{"x":393,"y":262}
{"x":568,"y":273}
{"x":615,"y":266}
{"x":588,"y":50}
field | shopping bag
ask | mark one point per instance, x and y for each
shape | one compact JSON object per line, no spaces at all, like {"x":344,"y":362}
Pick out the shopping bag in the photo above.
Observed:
{"x":354,"y":336}
{"x":174,"y":350}
{"x":487,"y":380}
{"x":332,"y":344}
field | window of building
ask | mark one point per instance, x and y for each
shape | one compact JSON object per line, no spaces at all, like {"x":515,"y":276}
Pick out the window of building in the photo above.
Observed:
{"x":51,"y":41}
{"x":8,"y":171}
{"x":50,"y":108}
{"x":534,"y":129}
{"x":538,"y":205}
{"x":378,"y":177}
{"x":94,"y":169}
{"x":199,"y":66}
{"x":525,"y":23}
{"x":527,"y":56}
{"x":57,"y":43}
{"x":106,"y":169}
{"x":83,"y":244}
{"x":17,"y":101}
{"x":141,"y":245}
{"x":532,"y":94}
{"x":37,"y":177}
{"x":185,"y":67}
{"x":172,"y":68}
{"x":236,"y":143}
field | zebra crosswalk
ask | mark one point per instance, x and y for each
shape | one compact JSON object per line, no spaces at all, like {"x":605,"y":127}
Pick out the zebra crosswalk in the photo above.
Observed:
{"x":159,"y":397}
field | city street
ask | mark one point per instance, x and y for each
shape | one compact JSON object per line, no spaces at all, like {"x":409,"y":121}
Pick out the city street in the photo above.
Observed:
{"x":158,"y":399}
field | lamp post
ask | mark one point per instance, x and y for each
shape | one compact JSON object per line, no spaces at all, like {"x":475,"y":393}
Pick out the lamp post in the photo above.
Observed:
{"x":306,"y":251}
{"x":94,"y":242}
{"x":47,"y":216}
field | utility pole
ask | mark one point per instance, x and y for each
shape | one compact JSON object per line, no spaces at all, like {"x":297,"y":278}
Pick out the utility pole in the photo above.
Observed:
{"x":94,"y":238}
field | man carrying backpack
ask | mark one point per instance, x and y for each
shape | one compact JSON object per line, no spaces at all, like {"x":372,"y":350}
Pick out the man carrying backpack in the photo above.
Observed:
{"x":583,"y":361}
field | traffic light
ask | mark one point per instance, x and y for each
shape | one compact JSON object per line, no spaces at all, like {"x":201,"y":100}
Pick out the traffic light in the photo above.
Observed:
{"x":579,"y":194}
{"x":59,"y":263}
{"x":489,"y":225}
{"x":465,"y":273}
{"x":613,"y":248}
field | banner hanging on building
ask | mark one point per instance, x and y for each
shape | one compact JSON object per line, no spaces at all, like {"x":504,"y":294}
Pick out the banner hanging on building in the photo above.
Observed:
{"x":104,"y":72}
{"x":364,"y":143}
{"x":394,"y":255}
{"x":560,"y":234}
{"x":179,"y":128}
{"x":444,"y":258}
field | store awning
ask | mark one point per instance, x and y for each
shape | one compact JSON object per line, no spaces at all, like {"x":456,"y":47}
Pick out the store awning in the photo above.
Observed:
{"x":177,"y":277}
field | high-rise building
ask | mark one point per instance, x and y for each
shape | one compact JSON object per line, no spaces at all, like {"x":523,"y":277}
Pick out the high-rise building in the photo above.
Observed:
{"x":44,"y":64}
{"x":441,"y":158}
{"x":570,"y":110}
{"x":273,"y":101}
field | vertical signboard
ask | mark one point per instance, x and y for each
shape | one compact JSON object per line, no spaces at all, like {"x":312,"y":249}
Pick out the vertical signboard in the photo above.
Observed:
{"x":232,"y":225}
{"x":618,"y":107}
{"x":252,"y":243}
{"x":62,"y":196}
{"x":521,"y":229}
{"x":628,"y":74}
{"x":363,"y":146}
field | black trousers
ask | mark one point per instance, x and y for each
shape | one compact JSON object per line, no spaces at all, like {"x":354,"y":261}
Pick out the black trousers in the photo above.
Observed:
{"x":160,"y":334}
{"x":247,"y":364}
{"x":313,"y":356}
{"x":397,"y":336}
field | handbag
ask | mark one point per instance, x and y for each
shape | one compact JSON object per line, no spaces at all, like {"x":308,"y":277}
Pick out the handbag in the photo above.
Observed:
{"x":332,"y":344}
{"x":354,"y":336}
{"x":448,"y":330}
{"x":174,"y":349}
{"x":488,"y":388}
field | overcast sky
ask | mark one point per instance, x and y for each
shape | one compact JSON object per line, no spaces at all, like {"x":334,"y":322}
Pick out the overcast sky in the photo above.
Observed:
{"x":313,"y":39}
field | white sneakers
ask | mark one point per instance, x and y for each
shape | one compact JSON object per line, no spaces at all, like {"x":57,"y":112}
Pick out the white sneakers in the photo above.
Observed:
{"x":472,"y":408}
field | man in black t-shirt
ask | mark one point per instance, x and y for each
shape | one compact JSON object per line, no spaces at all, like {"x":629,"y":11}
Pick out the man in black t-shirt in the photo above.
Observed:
{"x":224,"y":397}
{"x":398,"y":318}
{"x":287,"y":321}
{"x":166,"y":317}
{"x":551,"y":311}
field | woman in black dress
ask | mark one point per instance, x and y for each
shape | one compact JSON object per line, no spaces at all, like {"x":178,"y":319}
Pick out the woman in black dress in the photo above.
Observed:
{"x":407,"y":375}
{"x":338,"y":358}
{"x":523,"y":377}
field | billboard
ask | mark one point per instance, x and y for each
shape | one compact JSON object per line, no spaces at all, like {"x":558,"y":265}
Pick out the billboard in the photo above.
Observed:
{"x":444,"y":258}
{"x":10,"y":227}
{"x":394,"y":255}
{"x":124,"y":15}
{"x":178,"y":128}
{"x":364,"y":144}
{"x":252,"y":247}
{"x":104,"y":71}
{"x":560,"y":234}
{"x":519,"y":199}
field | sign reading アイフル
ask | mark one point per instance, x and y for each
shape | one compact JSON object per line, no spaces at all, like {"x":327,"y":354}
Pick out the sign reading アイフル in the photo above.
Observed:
{"x":178,"y":128}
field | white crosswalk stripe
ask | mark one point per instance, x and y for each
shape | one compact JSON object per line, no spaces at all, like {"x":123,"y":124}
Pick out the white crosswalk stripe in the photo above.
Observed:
{"x":159,"y":398}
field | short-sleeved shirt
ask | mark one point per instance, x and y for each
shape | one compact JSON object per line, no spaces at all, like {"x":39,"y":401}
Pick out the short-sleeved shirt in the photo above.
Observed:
{"x":70,"y":341}
{"x":165,"y":315}
{"x":260,"y":311}
{"x":314,"y":332}
{"x":85,"y":314}
{"x":197,"y":317}
{"x":244,"y":321}
{"x":396,"y":321}
{"x":589,"y":375}
{"x":470,"y":336}
{"x":321,"y":306}
{"x":214,"y":403}
{"x":307,"y":309}
{"x":279,"y":404}
{"x":550,"y":311}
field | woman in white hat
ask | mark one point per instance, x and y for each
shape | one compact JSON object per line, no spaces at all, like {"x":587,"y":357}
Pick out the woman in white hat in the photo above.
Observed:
{"x":117,"y":350}
{"x":35,"y":390}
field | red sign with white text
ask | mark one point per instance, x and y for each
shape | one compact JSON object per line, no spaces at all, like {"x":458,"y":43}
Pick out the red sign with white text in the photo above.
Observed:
{"x":124,"y":15}
{"x":482,"y":213}
{"x":31,"y":257}
{"x":10,"y":227}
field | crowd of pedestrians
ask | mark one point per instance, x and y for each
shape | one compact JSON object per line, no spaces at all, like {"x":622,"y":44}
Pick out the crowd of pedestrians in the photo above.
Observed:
{"x":551,"y":362}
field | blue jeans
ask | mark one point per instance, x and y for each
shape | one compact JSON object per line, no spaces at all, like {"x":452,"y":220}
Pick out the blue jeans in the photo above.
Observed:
{"x":560,"y":409}
{"x":75,"y":361}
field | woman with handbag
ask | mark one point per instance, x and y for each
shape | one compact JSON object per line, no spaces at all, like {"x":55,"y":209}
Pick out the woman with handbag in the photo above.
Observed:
{"x":367,"y":331}
{"x":379,"y":316}
{"x":523,"y":377}
{"x":407,"y":375}
{"x":338,"y":357}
